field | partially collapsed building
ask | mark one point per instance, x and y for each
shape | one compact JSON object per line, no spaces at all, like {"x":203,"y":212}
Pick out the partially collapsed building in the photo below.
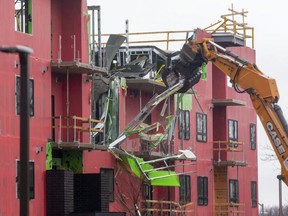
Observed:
{"x":106,"y":136}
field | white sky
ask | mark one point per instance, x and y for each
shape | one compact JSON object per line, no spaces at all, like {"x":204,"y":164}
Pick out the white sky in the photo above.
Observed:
{"x":268,"y":19}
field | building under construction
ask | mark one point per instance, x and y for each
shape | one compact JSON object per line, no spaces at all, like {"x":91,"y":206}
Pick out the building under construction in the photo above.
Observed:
{"x":107,"y":137}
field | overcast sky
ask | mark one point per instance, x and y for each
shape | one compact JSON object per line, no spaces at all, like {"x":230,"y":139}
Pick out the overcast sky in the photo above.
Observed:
{"x":269,"y":18}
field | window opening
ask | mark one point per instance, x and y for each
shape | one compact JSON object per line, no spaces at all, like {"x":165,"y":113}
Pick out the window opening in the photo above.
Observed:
{"x":201,"y":122}
{"x":233,"y":132}
{"x":23,"y":16}
{"x":184,"y":125}
{"x":202,"y":189}
{"x":233,"y":191}
{"x":147,"y":192}
{"x":185,"y":189}
{"x":30,"y":96}
{"x":252,"y":136}
{"x":254,"y":194}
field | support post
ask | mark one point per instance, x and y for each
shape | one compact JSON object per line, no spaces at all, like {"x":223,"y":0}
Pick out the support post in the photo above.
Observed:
{"x":127,"y":42}
{"x":23,"y":53}
{"x":262,"y":208}
{"x":280,"y":178}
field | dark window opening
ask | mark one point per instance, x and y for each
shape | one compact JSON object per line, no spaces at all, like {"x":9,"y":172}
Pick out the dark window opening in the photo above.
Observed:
{"x":202,"y":190}
{"x":233,"y":191}
{"x":252,"y":136}
{"x":185,"y":189}
{"x":30,"y":96}
{"x":254,"y":194}
{"x":233,"y":132}
{"x":184,"y":125}
{"x":23,"y":16}
{"x":201,"y":124}
{"x":147,"y":192}
{"x":100,"y":112}
{"x":31,"y":180}
{"x":110,"y":172}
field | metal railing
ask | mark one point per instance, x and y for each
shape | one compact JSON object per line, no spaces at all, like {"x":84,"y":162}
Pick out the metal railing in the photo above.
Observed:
{"x":234,"y":147}
{"x":162,"y":207}
{"x":230,"y":24}
{"x":229,"y":209}
{"x":154,"y":37}
{"x":77,"y":125}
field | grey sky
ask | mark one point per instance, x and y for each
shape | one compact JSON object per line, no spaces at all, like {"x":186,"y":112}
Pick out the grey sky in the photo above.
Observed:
{"x":267,"y":17}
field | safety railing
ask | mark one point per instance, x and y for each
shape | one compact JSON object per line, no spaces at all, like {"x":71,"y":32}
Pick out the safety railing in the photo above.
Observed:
{"x":71,"y":128}
{"x":235,"y":24}
{"x":163,"y":208}
{"x":232,"y":147}
{"x":229,"y":209}
{"x":155,"y":37}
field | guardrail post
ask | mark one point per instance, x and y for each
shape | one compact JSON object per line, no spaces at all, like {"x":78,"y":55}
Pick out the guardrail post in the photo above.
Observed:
{"x":60,"y":130}
{"x":167,"y":40}
{"x":219,"y":154}
{"x":74,"y":134}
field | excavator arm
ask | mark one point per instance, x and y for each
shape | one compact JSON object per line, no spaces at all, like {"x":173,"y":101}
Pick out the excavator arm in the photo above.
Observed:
{"x":245,"y":77}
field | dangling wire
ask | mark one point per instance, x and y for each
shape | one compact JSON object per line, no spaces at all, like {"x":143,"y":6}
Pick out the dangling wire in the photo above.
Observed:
{"x":197,"y":101}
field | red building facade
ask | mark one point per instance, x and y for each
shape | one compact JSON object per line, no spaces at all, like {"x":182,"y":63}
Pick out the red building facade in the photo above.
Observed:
{"x":216,"y":123}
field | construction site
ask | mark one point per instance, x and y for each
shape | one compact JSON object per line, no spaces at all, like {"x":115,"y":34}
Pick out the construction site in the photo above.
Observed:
{"x":111,"y":124}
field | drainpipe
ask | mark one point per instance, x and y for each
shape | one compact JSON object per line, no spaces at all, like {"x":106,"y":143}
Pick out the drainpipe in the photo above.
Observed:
{"x":23,"y":53}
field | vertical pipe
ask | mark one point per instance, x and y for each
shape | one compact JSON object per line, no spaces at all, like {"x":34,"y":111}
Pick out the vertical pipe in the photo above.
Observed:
{"x":280,"y":178}
{"x":74,"y":47}
{"x":219,"y":153}
{"x":169,"y":140}
{"x":93,"y":37}
{"x":92,"y":111}
{"x":60,"y":50}
{"x":127,"y":42}
{"x":24,"y":124}
{"x":24,"y":134}
{"x":99,"y":37}
{"x":67,"y":104}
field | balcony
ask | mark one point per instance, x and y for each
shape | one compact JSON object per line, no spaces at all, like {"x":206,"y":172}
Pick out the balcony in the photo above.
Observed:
{"x":162,"y":207}
{"x":229,"y":153}
{"x":74,"y":132}
{"x":229,"y":209}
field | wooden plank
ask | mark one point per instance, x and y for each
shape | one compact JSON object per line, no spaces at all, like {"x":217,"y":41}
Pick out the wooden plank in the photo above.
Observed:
{"x":228,"y":142}
{"x":147,"y":128}
{"x":151,"y":137}
{"x":166,"y":210}
{"x":63,"y":126}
